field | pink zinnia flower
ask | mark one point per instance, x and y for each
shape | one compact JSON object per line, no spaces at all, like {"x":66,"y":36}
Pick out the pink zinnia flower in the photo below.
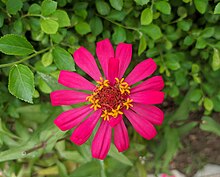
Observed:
{"x":112,"y":97}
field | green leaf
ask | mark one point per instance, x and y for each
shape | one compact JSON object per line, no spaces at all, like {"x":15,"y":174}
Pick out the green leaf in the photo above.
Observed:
{"x":185,"y":25}
{"x":63,"y":59}
{"x":47,"y":59}
{"x":12,"y":44}
{"x":51,"y":81}
{"x":117,"y":15}
{"x":210,"y":125}
{"x":186,"y":128}
{"x":21,"y":82}
{"x":152,"y":31}
{"x":217,"y":9}
{"x":182,"y":113}
{"x":62,"y":18}
{"x":117,"y":4}
{"x":146,"y":16}
{"x":142,"y":2}
{"x":90,"y":169}
{"x":43,"y":86}
{"x":13,"y":6}
{"x":82,"y":28}
{"x":102,"y":7}
{"x":201,"y":5}
{"x":48,"y":7}
{"x":119,"y":35}
{"x":172,"y":64}
{"x":208,"y":104}
{"x":142,"y":45}
{"x":201,"y":43}
{"x":1,"y":19}
{"x":195,"y":95}
{"x":171,"y":135}
{"x":173,"y":91}
{"x":215,"y":60}
{"x":96,"y":25}
{"x":49,"y":26}
{"x":62,"y":169}
{"x":208,"y":32}
{"x":34,"y":9}
{"x":113,"y":152}
{"x":163,"y":7}
{"x":188,"y":40}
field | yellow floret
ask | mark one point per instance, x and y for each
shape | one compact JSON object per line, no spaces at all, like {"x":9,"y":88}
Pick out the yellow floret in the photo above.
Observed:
{"x":128,"y":104}
{"x":116,"y":112}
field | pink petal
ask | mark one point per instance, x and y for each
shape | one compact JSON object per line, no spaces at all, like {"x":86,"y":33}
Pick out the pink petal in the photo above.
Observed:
{"x":154,"y":83}
{"x":74,"y":80}
{"x":141,"y":71}
{"x":71,"y":118}
{"x":121,"y":138}
{"x":82,"y":133}
{"x":123,"y":53}
{"x":67,"y":97}
{"x":102,"y":141}
{"x":148,"y":97}
{"x":112,"y":70}
{"x":149,"y":112}
{"x":104,"y":52}
{"x":141,"y":125}
{"x":87,"y":63}
{"x":114,"y":121}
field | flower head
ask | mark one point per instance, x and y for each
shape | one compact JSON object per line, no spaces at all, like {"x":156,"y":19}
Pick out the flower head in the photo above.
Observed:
{"x":111,"y":98}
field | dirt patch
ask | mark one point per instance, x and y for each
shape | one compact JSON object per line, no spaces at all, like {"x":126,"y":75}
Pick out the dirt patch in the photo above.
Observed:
{"x":199,"y":148}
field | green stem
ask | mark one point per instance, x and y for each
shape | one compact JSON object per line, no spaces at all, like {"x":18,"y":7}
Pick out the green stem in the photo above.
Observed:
{"x":120,"y":25}
{"x":24,"y":59}
{"x":102,"y":168}
{"x":33,"y":15}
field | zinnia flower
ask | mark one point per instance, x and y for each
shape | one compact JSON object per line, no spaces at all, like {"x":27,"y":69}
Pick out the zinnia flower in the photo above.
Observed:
{"x":110,"y":99}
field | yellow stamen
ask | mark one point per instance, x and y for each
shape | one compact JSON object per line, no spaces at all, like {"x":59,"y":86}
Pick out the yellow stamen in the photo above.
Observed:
{"x":102,"y":83}
{"x":123,"y":86}
{"x":128,"y":102}
{"x":95,"y":104}
{"x":105,"y":115}
{"x":116,"y":112}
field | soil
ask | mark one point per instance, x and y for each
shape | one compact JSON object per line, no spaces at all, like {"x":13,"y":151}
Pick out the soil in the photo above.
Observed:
{"x":199,"y":149}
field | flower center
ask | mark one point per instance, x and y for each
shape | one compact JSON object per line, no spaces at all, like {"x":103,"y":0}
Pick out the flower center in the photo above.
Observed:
{"x":110,"y":98}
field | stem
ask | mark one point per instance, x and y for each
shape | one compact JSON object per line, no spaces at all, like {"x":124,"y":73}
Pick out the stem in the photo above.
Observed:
{"x":102,"y":168}
{"x":33,"y":15}
{"x":118,"y":24}
{"x":24,"y":59}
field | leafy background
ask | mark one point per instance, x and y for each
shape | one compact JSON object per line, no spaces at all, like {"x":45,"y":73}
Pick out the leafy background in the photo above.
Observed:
{"x":38,"y":38}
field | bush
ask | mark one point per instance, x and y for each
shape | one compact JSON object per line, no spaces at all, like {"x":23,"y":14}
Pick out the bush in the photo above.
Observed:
{"x":38,"y":38}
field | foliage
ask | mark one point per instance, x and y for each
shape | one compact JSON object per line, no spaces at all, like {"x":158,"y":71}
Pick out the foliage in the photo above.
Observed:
{"x":38,"y":38}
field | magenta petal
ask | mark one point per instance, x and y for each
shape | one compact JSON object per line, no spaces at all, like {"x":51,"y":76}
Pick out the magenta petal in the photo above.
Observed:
{"x":123,"y":53}
{"x":141,"y":71}
{"x":104,"y":52}
{"x":74,"y":80}
{"x":71,"y":118}
{"x":114,"y":121}
{"x":67,"y":97}
{"x":87,"y":63}
{"x":154,"y":83}
{"x":121,"y":138}
{"x":149,"y":112}
{"x":148,"y":97}
{"x":102,"y":141}
{"x":82,"y":133}
{"x":141,"y":125}
{"x":112,"y":70}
